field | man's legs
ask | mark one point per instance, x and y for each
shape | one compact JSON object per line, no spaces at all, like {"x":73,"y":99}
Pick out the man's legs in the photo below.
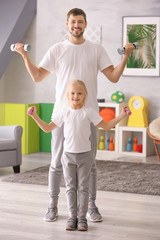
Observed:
{"x":55,"y":173}
{"x":93,"y":212}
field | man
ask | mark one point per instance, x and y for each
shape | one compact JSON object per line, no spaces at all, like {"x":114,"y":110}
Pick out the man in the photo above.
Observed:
{"x":74,"y":58}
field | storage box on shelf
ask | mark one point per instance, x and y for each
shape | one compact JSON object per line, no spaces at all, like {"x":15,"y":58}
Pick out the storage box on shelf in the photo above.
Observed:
{"x":135,"y":132}
{"x":114,"y":132}
{"x":16,"y":114}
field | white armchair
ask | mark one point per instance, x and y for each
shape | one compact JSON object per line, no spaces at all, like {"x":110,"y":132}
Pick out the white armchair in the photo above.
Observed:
{"x":10,"y":147}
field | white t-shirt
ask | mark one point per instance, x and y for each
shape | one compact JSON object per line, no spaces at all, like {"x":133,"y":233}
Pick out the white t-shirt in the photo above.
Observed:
{"x":76,"y":127}
{"x":76,"y":61}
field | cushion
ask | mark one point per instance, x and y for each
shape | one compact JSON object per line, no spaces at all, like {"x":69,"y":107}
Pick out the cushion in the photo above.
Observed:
{"x":154,"y":127}
{"x":7,"y":144}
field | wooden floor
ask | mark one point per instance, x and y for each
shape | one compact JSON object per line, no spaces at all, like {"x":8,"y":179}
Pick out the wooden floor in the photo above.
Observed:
{"x":22,"y":207}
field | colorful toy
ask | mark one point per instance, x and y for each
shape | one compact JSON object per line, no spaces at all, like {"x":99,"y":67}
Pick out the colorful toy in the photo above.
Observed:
{"x":129,"y":145}
{"x":107,"y":142}
{"x":138,"y":107}
{"x":140,"y":148}
{"x":111,"y":144}
{"x":101,"y":143}
{"x":135,"y":144}
{"x":118,"y":97}
{"x":107,"y":114}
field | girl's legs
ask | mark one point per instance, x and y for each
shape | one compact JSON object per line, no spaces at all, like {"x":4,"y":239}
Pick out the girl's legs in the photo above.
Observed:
{"x":76,"y":168}
{"x":84,"y":163}
{"x":70,"y":176}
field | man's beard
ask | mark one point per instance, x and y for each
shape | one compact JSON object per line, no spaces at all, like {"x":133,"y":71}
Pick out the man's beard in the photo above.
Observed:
{"x":76,"y":36}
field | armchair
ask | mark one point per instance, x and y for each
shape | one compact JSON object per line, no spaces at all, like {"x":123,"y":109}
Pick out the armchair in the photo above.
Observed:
{"x":10,"y":147}
{"x":154,"y":133}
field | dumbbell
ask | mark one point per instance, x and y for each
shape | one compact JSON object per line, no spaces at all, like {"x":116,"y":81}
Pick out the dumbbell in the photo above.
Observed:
{"x":30,"y":110}
{"x":122,"y":49}
{"x":127,"y":111}
{"x":27,"y":47}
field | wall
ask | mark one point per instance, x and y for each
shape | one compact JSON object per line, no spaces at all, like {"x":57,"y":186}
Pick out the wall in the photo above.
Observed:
{"x":16,"y":85}
{"x":17,"y":16}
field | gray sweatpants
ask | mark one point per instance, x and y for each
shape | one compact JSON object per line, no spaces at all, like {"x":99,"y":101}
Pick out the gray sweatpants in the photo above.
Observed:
{"x":55,"y":171}
{"x":76,"y":169}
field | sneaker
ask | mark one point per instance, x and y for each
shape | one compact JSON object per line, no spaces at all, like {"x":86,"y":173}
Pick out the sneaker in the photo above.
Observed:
{"x":51,"y":215}
{"x":94,"y":214}
{"x":71,"y":224}
{"x":82,"y":225}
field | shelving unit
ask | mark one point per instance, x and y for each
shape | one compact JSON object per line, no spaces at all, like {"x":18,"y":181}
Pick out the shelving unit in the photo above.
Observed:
{"x":121,"y":133}
{"x":114,"y":132}
{"x":141,"y":134}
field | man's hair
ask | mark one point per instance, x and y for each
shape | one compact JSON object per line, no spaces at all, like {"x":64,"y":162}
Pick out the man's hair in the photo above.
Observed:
{"x":76,"y":12}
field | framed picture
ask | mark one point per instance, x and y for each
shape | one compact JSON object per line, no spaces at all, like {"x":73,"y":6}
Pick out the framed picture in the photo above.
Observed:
{"x":144,"y":31}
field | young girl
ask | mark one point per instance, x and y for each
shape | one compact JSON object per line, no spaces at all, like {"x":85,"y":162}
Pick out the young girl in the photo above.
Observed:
{"x":77,"y":157}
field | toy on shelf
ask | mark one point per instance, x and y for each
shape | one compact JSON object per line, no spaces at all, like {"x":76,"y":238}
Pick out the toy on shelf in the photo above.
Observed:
{"x":140,"y":148}
{"x":107,"y":142}
{"x":138,"y":106}
{"x":101,"y":143}
{"x":118,"y":97}
{"x":107,"y":114}
{"x":111,"y":144}
{"x":129,"y":145}
{"x":135,"y":144}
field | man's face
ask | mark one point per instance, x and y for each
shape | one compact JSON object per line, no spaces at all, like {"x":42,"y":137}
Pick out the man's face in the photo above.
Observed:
{"x":76,"y":25}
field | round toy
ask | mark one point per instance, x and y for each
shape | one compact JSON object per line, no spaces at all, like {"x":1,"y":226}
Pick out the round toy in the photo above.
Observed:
{"x":118,"y":97}
{"x":107,"y":114}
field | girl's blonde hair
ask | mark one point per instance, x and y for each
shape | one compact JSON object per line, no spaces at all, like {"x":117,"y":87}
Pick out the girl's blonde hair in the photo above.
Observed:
{"x":80,"y":84}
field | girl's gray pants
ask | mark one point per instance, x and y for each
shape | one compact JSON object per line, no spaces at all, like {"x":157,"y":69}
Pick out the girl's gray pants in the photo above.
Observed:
{"x":55,"y":171}
{"x":76,"y":170}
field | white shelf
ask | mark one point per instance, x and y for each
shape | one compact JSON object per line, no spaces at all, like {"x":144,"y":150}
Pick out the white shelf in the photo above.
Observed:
{"x":132,"y":132}
{"x":112,"y":129}
{"x":121,"y":133}
{"x":114,"y":132}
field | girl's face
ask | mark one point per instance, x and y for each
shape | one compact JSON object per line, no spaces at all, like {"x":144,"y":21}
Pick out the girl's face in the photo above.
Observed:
{"x":76,"y":96}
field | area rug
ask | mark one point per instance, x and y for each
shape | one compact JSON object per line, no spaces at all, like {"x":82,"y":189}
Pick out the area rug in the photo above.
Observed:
{"x":113,"y":176}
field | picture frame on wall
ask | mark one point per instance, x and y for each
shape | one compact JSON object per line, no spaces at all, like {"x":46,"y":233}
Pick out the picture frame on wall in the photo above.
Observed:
{"x":145,"y":31}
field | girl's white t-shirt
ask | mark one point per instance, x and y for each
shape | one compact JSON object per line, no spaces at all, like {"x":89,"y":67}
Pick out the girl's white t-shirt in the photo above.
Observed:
{"x":76,"y":127}
{"x":76,"y":61}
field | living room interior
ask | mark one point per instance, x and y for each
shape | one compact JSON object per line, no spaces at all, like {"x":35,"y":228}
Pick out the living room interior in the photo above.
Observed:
{"x":126,"y":215}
